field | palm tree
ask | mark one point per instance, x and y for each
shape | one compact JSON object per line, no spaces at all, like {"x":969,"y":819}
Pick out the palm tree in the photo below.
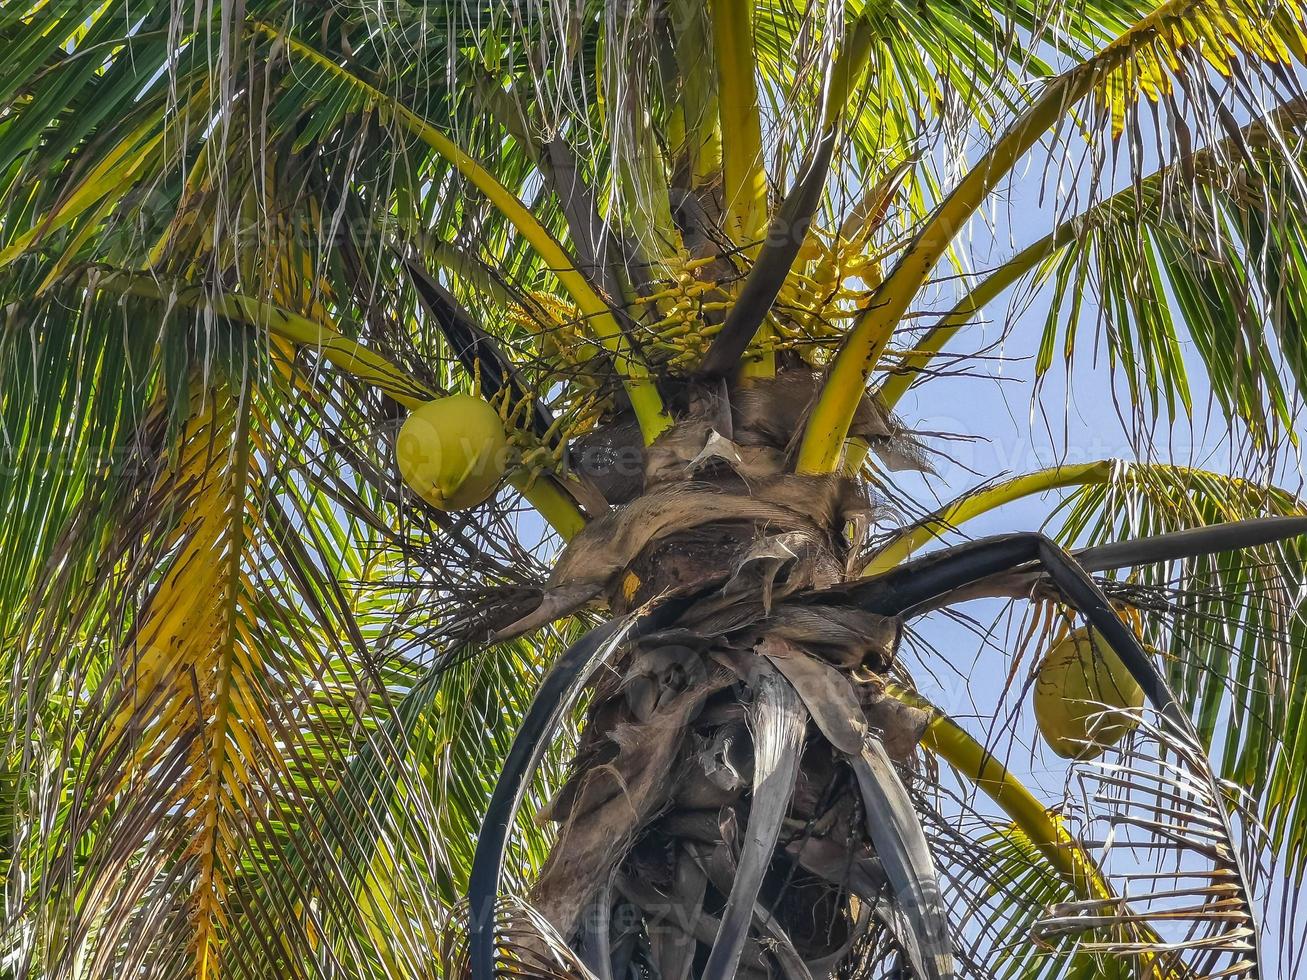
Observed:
{"x":325,"y":326}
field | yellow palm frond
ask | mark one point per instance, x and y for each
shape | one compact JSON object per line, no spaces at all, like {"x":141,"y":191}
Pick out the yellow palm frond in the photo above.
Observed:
{"x":184,"y":720}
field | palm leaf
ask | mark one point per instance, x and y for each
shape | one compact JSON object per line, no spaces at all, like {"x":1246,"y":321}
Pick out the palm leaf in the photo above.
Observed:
{"x":1220,"y":233}
{"x":1164,"y":54}
{"x":1230,"y":626}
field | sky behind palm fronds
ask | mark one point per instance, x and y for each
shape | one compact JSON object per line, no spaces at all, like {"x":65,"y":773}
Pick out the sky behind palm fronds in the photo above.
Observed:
{"x":996,"y":421}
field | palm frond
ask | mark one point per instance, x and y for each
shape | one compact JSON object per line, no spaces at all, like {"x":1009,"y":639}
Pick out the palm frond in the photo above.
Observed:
{"x":1205,"y":253}
{"x":1261,"y":161}
{"x":265,"y":738}
{"x":1230,"y":627}
{"x":1164,"y":56}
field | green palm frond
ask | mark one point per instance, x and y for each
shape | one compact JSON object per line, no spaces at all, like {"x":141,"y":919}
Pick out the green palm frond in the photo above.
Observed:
{"x":262,"y":715}
{"x":1163,"y":59}
{"x":1259,"y":164}
{"x":1230,"y":627}
{"x":1208,"y":254}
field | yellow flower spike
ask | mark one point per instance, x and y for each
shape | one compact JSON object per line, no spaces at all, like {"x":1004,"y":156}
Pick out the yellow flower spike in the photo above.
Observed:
{"x":558,"y":453}
{"x":586,"y":422}
{"x":521,"y":411}
{"x":530,"y":458}
{"x":662,"y":295}
{"x":678,"y":329}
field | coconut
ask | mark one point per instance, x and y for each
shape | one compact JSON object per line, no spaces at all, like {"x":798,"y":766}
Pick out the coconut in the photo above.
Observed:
{"x":1085,"y":698}
{"x":453,"y":451}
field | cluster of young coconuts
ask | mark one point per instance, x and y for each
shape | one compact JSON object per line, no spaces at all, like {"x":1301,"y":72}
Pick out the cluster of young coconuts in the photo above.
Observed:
{"x":453,"y":453}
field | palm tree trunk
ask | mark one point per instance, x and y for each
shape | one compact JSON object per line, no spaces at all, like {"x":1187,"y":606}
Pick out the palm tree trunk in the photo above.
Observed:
{"x":710,"y":827}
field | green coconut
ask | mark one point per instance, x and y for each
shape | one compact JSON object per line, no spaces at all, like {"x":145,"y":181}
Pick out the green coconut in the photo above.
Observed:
{"x":1085,"y":698}
{"x":453,"y":451}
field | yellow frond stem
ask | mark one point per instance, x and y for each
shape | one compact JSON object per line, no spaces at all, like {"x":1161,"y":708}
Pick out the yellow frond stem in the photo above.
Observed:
{"x":986,"y":500}
{"x":745,"y":191}
{"x":855,"y":455}
{"x":556,"y":507}
{"x":846,"y":380}
{"x":1099,"y":472}
{"x":735,"y":20}
{"x":184,"y":683}
{"x":211,"y":888}
{"x":952,"y":743}
{"x":1124,"y":203}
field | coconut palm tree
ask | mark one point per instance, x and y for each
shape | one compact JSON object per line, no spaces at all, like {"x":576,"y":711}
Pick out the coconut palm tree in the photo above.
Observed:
{"x":457,"y":517}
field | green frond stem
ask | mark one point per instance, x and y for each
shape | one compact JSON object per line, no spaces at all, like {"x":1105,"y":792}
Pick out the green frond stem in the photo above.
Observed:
{"x":196,"y":178}
{"x":982,"y":501}
{"x":952,"y":743}
{"x":745,"y":190}
{"x":855,"y":51}
{"x":747,"y":325}
{"x":910,"y":365}
{"x":642,"y":176}
{"x":846,"y":381}
{"x":645,"y":400}
{"x":547,"y":497}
